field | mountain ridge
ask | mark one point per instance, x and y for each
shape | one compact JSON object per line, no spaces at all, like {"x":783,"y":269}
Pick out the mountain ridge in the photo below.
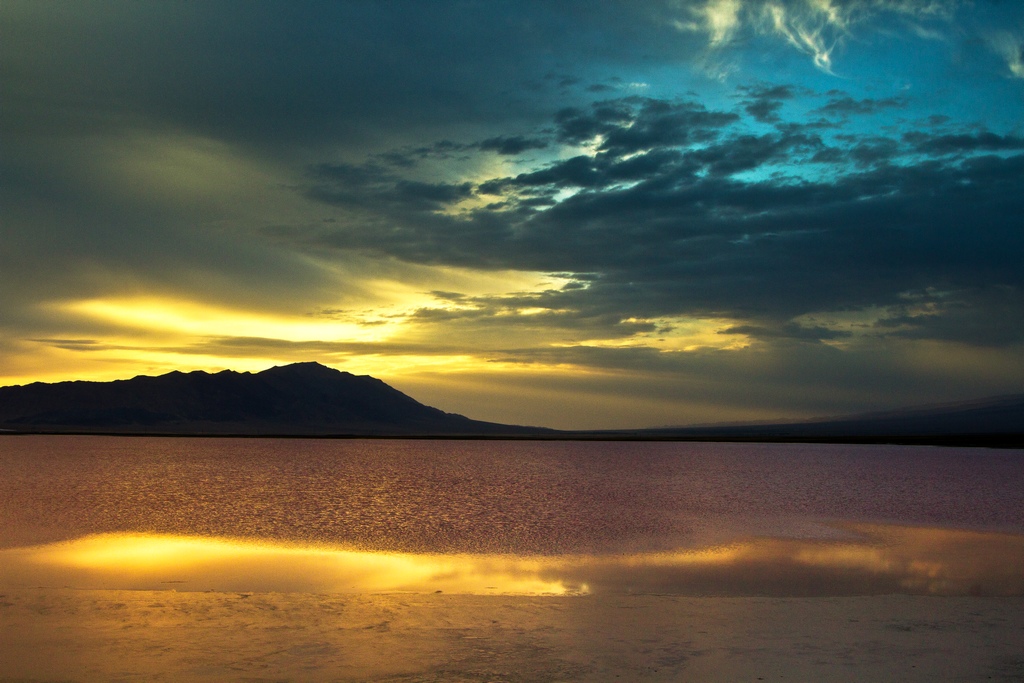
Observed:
{"x":310,"y":399}
{"x":996,"y":419}
{"x":300,"y":398}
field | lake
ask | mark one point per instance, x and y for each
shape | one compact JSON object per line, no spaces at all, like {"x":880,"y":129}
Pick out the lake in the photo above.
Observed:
{"x":510,"y":517}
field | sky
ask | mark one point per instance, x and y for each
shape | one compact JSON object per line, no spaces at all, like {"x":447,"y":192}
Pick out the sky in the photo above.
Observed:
{"x":569,"y":214}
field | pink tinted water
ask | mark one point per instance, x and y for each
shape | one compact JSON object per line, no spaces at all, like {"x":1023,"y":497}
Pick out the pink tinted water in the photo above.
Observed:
{"x":490,"y":496}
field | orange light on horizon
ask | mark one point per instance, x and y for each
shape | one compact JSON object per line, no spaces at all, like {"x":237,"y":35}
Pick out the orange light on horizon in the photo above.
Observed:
{"x":181,"y":317}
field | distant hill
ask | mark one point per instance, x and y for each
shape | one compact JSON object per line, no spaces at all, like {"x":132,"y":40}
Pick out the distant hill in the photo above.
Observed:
{"x":309,"y":399}
{"x":297,"y":399}
{"x":996,"y":421}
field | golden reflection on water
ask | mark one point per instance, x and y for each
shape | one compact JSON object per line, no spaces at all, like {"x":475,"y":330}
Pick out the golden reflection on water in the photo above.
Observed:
{"x":871,"y":559}
{"x":198,"y":563}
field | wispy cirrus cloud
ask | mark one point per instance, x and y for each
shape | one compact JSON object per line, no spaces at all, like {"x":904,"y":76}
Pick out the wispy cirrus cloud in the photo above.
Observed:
{"x":1010,"y":46}
{"x":814,"y":27}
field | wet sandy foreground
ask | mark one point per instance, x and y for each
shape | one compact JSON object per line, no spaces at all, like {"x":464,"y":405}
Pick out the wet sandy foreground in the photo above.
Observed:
{"x":53,"y":634}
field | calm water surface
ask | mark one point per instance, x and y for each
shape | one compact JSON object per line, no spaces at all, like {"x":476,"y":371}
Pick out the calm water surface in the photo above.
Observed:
{"x":513,"y":516}
{"x":490,"y":496}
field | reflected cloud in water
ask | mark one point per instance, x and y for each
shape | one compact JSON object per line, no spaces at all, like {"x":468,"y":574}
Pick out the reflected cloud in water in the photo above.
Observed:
{"x":868,"y":560}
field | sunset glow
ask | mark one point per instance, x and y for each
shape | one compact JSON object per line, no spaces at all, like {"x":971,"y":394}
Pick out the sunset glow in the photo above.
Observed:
{"x":678,"y":212}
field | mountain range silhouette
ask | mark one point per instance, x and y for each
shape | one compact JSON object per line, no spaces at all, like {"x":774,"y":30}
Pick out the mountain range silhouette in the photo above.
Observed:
{"x":297,"y":399}
{"x":310,"y":399}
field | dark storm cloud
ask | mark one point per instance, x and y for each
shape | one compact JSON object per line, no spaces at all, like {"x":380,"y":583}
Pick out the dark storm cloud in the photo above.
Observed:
{"x":985,"y":316}
{"x":275,"y":72}
{"x":965,"y":143}
{"x":588,"y":172}
{"x":266,"y":71}
{"x":370,"y":186}
{"x":846,"y":105}
{"x":636,"y":124}
{"x":765,"y":102}
{"x":717,"y":245}
{"x":873,"y":151}
{"x":504,"y":145}
{"x":411,"y":156}
{"x":787,"y":330}
{"x":748,"y":152}
{"x":661,"y":212}
{"x":764,"y":110}
{"x":511,"y":145}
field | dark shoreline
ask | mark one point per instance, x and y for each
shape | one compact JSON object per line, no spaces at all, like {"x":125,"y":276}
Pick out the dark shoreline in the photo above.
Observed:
{"x":1002,"y":441}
